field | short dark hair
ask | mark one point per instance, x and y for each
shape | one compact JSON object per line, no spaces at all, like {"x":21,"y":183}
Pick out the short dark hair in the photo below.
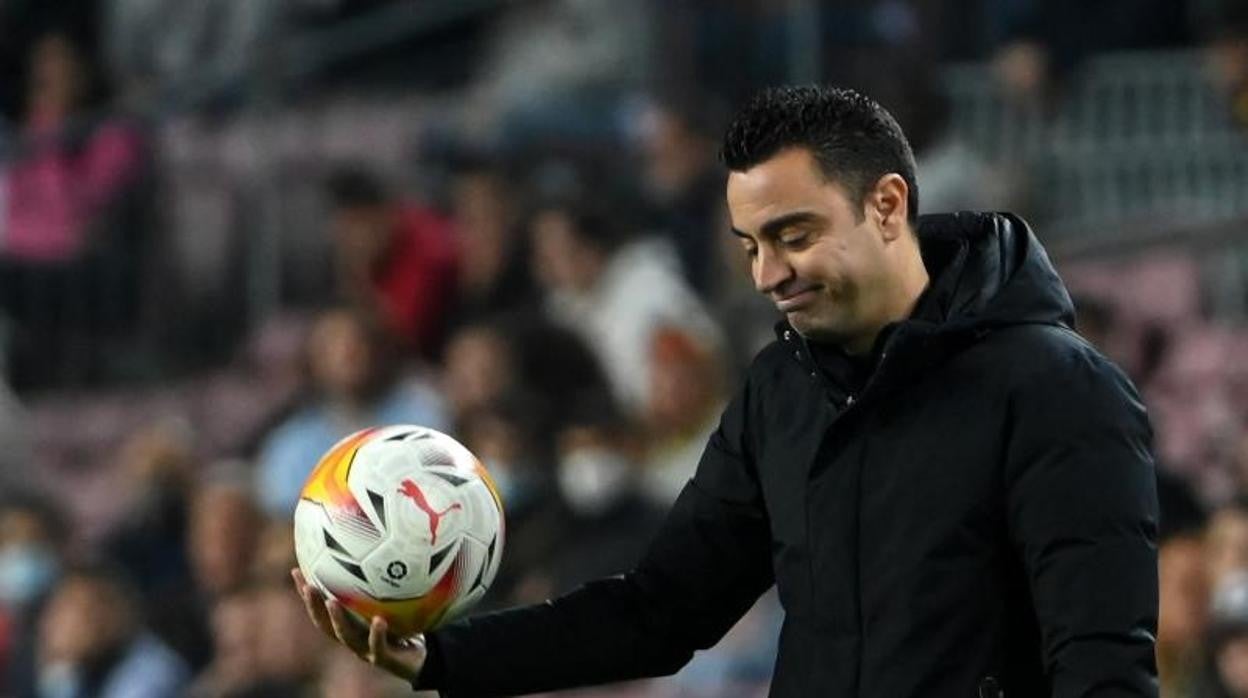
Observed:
{"x":591,"y":221}
{"x":52,"y":516}
{"x":853,"y":138}
{"x":699,"y":114}
{"x":354,"y":186}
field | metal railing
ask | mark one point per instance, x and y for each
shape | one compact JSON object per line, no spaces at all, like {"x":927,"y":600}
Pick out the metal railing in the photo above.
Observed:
{"x":1132,"y":137}
{"x":59,"y":326}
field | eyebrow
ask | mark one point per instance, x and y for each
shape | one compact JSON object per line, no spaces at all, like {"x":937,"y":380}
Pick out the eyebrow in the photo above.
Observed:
{"x":772,"y":228}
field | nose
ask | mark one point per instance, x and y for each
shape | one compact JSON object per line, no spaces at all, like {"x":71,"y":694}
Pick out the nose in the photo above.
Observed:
{"x":770,"y":269}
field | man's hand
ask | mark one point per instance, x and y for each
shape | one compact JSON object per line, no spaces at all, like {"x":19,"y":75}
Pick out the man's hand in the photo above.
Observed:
{"x":372,"y":644}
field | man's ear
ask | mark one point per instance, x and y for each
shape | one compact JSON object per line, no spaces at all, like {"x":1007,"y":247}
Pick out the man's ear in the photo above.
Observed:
{"x":888,"y":205}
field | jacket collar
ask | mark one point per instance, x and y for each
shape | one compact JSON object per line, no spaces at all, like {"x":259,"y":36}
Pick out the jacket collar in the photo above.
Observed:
{"x":903,"y":348}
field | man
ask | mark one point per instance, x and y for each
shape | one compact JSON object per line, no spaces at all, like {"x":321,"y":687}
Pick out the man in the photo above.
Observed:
{"x":952,"y":491}
{"x":395,"y":259}
{"x":614,"y":292}
{"x":682,"y":182}
{"x":112,"y":655}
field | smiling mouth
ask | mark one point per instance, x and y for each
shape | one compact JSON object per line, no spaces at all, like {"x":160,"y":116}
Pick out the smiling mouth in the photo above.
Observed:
{"x":796,"y":301}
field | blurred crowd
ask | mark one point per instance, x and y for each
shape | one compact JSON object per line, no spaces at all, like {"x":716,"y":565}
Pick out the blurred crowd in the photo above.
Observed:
{"x":573,"y":356}
{"x":545,"y":275}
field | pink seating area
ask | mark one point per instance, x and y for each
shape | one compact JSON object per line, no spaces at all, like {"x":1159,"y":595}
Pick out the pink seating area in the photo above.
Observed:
{"x":1197,"y":392}
{"x":77,"y":436}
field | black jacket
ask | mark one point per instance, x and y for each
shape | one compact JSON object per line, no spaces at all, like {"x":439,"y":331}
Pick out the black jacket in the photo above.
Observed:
{"x":979,"y":520}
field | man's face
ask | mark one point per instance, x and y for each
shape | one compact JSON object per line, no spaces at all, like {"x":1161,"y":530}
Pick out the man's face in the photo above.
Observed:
{"x":812,"y":249}
{"x":64,"y":637}
{"x":561,"y":261}
{"x":1232,"y":660}
{"x":361,"y":235}
{"x":341,"y":357}
{"x":480,"y":206}
{"x":1226,"y":545}
{"x":477,"y":369}
{"x":222,"y":535}
{"x":57,"y":80}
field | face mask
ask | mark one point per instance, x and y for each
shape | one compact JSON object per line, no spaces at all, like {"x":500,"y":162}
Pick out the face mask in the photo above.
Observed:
{"x":59,"y":680}
{"x":592,"y":479}
{"x":26,"y":571}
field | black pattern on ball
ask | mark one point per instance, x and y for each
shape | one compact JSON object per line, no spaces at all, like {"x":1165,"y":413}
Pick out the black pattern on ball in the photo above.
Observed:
{"x":396,"y":570}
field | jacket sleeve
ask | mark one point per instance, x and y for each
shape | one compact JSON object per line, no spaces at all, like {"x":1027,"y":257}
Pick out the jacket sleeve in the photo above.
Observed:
{"x":1082,"y":508}
{"x":708,"y":564}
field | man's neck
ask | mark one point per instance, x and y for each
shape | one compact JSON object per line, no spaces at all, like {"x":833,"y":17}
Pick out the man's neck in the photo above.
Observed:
{"x":910,"y":286}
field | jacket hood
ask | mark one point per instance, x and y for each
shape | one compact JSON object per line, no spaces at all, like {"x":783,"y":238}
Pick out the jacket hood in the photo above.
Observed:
{"x":988,"y":270}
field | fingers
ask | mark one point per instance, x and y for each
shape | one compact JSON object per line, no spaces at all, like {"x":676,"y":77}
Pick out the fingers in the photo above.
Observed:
{"x":403,"y":658}
{"x":378,"y":647}
{"x":313,"y":603}
{"x":348,"y":630}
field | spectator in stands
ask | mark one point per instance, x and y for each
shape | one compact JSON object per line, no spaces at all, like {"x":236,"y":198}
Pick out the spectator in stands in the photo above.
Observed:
{"x":356,"y":382}
{"x":557,"y":366}
{"x":1041,"y":42}
{"x":599,"y":478}
{"x":612,"y":291}
{"x":288,"y":657}
{"x":92,"y":643}
{"x":235,"y":657}
{"x":592,"y":522}
{"x":69,"y":248}
{"x":1182,"y":613}
{"x":493,"y":275}
{"x":1224,"y":25}
{"x":159,"y":465}
{"x":507,"y":438}
{"x":1226,"y":542}
{"x":479,"y":367}
{"x":393,"y":258}
{"x":33,"y":535}
{"x":275,"y":552}
{"x":504,"y":434}
{"x":260,"y":650}
{"x":686,"y":398}
{"x":246,"y":645}
{"x":1228,"y":641}
{"x":520,"y":354}
{"x":223,"y":530}
{"x":72,"y":170}
{"x":1182,"y":513}
{"x":685,"y":182}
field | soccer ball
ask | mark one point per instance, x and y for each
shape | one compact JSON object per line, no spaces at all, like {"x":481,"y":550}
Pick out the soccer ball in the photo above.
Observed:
{"x":401,"y":522}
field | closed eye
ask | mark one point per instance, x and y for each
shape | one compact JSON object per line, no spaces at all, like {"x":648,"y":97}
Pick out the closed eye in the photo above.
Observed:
{"x":796,"y":240}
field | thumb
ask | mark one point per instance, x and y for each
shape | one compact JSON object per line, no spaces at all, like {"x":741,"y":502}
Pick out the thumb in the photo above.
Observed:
{"x":404,"y":658}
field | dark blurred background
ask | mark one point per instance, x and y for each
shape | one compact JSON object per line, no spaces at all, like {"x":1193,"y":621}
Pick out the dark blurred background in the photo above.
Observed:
{"x":233,"y":231}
